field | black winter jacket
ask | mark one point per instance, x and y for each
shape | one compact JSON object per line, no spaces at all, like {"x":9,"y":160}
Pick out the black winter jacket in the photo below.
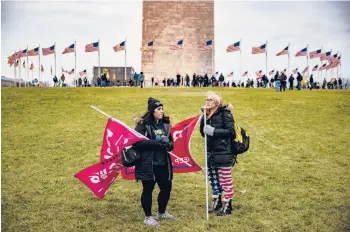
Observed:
{"x":144,"y":166}
{"x":219,"y":146}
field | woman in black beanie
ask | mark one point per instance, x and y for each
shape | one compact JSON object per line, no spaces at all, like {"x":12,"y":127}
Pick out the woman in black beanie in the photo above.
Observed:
{"x":154,"y":165}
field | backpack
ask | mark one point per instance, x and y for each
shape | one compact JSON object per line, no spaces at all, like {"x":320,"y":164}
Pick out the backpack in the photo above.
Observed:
{"x":130,"y":156}
{"x":240,"y":144}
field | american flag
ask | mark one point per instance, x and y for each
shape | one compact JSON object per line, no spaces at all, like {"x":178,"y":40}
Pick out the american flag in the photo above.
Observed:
{"x":33,"y":52}
{"x":69,"y":49}
{"x":119,"y":47}
{"x":22,"y":53}
{"x":315,"y":54}
{"x":42,"y":68}
{"x":177,"y":46}
{"x":323,"y":67}
{"x":11,"y":60}
{"x":258,"y":73}
{"x":16,"y":64}
{"x":245,"y":74}
{"x":230,"y":75}
{"x":234,"y":47}
{"x":330,"y":65}
{"x":306,"y":70}
{"x":24,"y":64}
{"x":82,"y":73}
{"x":48,"y":51}
{"x":92,"y":47}
{"x":339,"y":59}
{"x":283,"y":52}
{"x":148,"y":46}
{"x":302,"y":52}
{"x":295,"y":70}
{"x":258,"y":50}
{"x":271,"y":72}
{"x":334,"y":58}
{"x":284,"y":71}
{"x":205,"y":46}
{"x":31,"y":66}
{"x":326,"y":56}
{"x":315,"y":68}
{"x":70,"y":72}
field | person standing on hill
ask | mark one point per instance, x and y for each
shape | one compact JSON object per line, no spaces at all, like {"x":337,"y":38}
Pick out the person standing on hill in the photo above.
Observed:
{"x":219,"y":128}
{"x":154,"y":165}
{"x":291,"y":81}
{"x":141,"y":79}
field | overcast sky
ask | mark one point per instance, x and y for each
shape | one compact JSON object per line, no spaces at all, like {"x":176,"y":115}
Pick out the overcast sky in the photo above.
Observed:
{"x":315,"y":24}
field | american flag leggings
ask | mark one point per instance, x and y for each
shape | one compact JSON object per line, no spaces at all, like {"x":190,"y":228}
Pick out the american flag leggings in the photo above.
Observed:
{"x":221,"y":181}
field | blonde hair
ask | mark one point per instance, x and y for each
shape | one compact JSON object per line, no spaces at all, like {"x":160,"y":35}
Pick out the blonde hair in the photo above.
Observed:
{"x":215,"y":96}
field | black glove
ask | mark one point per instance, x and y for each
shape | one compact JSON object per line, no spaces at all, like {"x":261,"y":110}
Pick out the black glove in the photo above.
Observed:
{"x":164,"y":139}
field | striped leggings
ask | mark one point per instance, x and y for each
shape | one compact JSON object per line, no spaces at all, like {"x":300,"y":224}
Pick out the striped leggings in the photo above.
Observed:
{"x":221,"y":181}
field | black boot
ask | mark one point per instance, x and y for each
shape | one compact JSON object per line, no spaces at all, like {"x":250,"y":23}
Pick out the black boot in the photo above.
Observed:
{"x":226,"y":208}
{"x":216,"y":205}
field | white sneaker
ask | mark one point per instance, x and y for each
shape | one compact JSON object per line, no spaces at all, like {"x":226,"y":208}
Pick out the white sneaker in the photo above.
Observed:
{"x":166,"y":215}
{"x":151,"y":221}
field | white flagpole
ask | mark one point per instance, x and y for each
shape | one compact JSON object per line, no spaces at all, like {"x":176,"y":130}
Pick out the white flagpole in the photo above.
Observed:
{"x":19,"y":69}
{"x":55,"y":58}
{"x":266,"y":57}
{"x":75,"y":61}
{"x":39,"y":66}
{"x":206,"y":164}
{"x":307,"y":56}
{"x":125,"y":62}
{"x":212,"y":58}
{"x":240,"y":59}
{"x":288,"y":58}
{"x":99,"y":67}
{"x":27,"y":68}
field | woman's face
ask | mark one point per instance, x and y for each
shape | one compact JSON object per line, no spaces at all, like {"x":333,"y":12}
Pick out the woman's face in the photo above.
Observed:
{"x":158,"y":113}
{"x":210,"y":103}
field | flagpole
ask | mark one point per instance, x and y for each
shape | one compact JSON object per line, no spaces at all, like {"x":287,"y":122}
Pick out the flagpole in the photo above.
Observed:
{"x":55,"y":58}
{"x":99,"y":64}
{"x":206,"y":164}
{"x":27,"y":67}
{"x":212,"y":57}
{"x":266,"y":58}
{"x":39,"y":65}
{"x":288,"y":58}
{"x":240,"y":59}
{"x":14,"y":68}
{"x":125,"y":62}
{"x":19,"y":69}
{"x":75,"y":60}
{"x":307,"y":55}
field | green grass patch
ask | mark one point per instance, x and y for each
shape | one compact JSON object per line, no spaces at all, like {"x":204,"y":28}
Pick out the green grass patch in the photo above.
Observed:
{"x":296,"y":173}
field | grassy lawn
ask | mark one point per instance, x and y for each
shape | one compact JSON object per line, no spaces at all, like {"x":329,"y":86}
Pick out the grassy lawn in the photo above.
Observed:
{"x":296,"y":173}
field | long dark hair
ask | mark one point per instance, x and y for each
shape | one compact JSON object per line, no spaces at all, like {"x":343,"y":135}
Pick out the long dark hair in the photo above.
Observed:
{"x":148,"y":117}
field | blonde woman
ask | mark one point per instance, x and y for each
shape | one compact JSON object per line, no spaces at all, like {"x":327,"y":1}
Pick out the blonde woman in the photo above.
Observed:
{"x":220,"y":131}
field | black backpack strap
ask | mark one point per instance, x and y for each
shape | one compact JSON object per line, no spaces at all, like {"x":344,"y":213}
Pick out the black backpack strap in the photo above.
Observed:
{"x":148,"y":130}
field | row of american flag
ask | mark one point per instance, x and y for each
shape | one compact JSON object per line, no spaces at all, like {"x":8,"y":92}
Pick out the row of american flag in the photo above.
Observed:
{"x":82,"y":73}
{"x":334,"y":60}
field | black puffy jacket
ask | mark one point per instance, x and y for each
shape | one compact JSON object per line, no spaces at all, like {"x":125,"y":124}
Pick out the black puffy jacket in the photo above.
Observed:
{"x":219,"y":146}
{"x":144,"y":166}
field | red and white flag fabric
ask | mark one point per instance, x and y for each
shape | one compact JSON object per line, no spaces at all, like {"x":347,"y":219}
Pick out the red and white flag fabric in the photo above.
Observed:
{"x":48,"y":51}
{"x":117,"y":136}
{"x":92,"y":47}
{"x":302,"y":52}
{"x":33,"y":52}
{"x":245,"y":74}
{"x":234,"y":47}
{"x":181,"y":134}
{"x":70,"y":72}
{"x":31,"y":66}
{"x":306,"y":70}
{"x":205,"y":46}
{"x":271,"y":72}
{"x":21,"y":53}
{"x":100,"y":176}
{"x":315,"y":54}
{"x":24,"y":64}
{"x":69,"y":49}
{"x":177,"y":46}
{"x":295,"y":70}
{"x":323,"y":67}
{"x":82,"y":73}
{"x":230,"y":74}
{"x":258,"y":50}
{"x":283,"y":52}
{"x":315,"y":68}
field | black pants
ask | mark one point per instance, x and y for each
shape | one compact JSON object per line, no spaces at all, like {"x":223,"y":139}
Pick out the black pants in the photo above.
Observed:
{"x":165,"y":186}
{"x":290,"y":85}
